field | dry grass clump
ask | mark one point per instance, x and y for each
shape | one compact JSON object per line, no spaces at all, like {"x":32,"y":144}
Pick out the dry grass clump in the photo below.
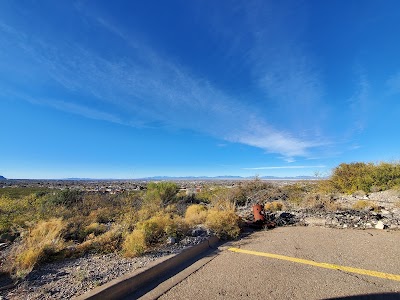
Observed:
{"x":273,"y":206}
{"x":134,"y":243}
{"x":95,"y":229}
{"x":107,"y":242}
{"x":161,"y":226}
{"x":153,"y":231}
{"x":224,"y":223}
{"x":326,"y":203}
{"x":41,"y":241}
{"x":365,"y":205}
{"x":196,"y":214}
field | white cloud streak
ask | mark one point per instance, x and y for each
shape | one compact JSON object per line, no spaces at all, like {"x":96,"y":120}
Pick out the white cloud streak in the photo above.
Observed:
{"x":145,"y":88}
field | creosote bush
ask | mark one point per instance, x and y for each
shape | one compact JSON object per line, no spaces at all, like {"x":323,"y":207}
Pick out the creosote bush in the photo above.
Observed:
{"x":161,"y":226}
{"x":134,"y":243}
{"x":196,"y":214}
{"x":224,"y":223}
{"x":162,"y":192}
{"x":368,"y":177}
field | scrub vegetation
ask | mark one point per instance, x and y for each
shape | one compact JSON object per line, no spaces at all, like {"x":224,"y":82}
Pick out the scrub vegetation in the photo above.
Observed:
{"x":47,"y":224}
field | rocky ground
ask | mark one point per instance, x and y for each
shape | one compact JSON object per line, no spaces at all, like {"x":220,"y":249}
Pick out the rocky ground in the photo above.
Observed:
{"x":383,"y":212}
{"x":72,"y":277}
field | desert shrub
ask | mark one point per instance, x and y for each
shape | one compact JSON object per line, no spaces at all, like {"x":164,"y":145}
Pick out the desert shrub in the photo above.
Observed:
{"x":134,"y":244}
{"x":223,"y":200}
{"x":224,"y":223}
{"x":21,"y":192}
{"x":208,"y":192}
{"x":160,"y":226}
{"x":102,"y":215}
{"x":128,"y":219}
{"x":107,"y":242}
{"x":387,"y":175}
{"x":95,"y":228}
{"x":295,"y":193}
{"x":365,"y":205}
{"x":324,"y":202}
{"x":67,"y":198}
{"x":254,"y":191}
{"x":273,"y":206}
{"x":15,"y":213}
{"x":148,"y":210}
{"x":348,"y":178}
{"x":163,"y":192}
{"x":41,"y":241}
{"x":324,"y":186}
{"x":196,"y":214}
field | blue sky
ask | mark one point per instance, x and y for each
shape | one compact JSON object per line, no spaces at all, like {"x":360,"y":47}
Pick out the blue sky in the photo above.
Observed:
{"x":129,"y":89}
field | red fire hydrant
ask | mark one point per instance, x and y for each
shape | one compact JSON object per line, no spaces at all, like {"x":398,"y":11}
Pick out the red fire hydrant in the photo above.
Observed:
{"x":258,"y":212}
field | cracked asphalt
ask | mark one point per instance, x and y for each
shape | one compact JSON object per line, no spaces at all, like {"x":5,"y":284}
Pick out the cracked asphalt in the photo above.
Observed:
{"x":236,"y":275}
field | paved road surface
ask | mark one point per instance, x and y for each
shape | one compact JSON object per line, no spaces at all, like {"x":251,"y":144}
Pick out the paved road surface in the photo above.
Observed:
{"x":237,"y":275}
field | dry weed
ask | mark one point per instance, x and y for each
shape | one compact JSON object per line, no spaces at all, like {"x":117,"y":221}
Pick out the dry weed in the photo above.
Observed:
{"x":43,"y":240}
{"x":196,"y":214}
{"x":365,"y":205}
{"x":134,"y":244}
{"x":274,"y":206}
{"x":224,"y":223}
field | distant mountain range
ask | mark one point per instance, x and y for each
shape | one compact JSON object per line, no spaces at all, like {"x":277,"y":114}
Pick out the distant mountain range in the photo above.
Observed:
{"x":226,"y":177}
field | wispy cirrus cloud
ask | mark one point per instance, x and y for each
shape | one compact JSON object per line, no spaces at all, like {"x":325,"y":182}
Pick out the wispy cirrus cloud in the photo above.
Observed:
{"x":359,"y":102}
{"x":285,"y":70}
{"x":145,"y":88}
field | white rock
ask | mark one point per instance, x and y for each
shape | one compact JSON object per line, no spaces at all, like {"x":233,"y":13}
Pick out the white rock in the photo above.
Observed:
{"x":380,"y":225}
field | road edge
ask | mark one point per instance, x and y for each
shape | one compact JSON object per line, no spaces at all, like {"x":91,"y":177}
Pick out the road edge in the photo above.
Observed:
{"x":128,"y":284}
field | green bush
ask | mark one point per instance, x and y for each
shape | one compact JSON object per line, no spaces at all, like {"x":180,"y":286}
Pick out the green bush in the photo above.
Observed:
{"x":161,"y":192}
{"x":349,"y":178}
{"x":67,"y":198}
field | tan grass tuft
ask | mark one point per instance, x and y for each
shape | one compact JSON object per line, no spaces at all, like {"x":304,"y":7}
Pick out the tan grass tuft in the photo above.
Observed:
{"x":42,"y":240}
{"x":224,"y":223}
{"x":196,"y":214}
{"x":134,"y":244}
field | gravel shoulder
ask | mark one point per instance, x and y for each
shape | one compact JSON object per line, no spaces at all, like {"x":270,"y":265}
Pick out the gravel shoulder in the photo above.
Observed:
{"x":73,"y":277}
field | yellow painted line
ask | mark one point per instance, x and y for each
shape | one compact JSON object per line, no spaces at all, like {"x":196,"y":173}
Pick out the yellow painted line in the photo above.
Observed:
{"x":320,"y":265}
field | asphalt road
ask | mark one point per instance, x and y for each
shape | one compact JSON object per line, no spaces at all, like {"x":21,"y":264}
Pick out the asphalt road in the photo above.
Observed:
{"x":374,"y":256}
